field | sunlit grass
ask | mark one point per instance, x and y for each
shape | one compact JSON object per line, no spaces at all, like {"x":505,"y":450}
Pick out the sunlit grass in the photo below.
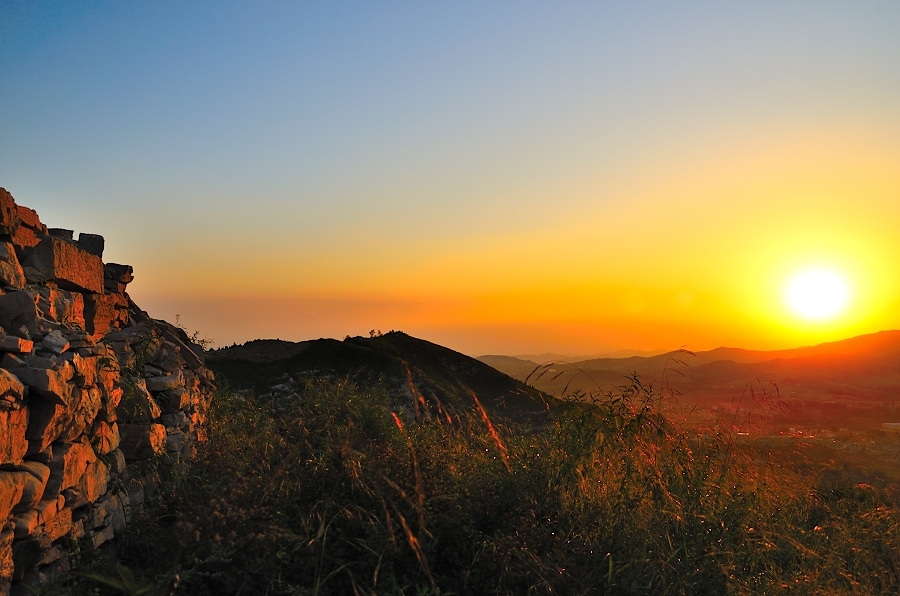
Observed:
{"x":329,"y":494}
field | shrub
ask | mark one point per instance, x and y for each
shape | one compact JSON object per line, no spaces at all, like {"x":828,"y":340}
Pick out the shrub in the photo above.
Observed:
{"x":331,"y":494}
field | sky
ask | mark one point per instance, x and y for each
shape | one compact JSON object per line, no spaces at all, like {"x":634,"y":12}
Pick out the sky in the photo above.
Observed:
{"x":504,"y":177}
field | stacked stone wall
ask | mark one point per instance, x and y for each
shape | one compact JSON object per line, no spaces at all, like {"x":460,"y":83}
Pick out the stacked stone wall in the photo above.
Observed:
{"x":88,"y":383}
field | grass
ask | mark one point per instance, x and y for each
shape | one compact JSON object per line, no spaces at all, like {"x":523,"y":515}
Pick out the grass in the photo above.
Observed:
{"x":330,"y":494}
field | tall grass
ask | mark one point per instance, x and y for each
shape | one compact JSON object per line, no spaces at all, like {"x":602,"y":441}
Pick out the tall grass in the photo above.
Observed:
{"x":330,"y":494}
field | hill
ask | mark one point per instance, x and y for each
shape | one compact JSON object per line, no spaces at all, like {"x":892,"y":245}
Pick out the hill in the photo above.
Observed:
{"x":421,"y":376}
{"x":849,"y":383}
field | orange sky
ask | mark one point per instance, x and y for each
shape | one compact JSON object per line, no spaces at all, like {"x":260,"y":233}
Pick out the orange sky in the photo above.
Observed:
{"x":575,"y":178}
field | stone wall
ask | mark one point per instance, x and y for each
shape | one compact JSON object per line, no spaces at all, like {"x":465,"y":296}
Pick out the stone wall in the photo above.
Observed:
{"x":88,"y":383}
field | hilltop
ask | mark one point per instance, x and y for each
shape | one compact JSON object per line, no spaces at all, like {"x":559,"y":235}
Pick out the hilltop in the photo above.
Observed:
{"x":417,"y":373}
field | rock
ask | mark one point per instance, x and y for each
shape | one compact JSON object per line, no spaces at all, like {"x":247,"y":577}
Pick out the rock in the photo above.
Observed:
{"x":54,"y":259}
{"x":11,"y":385}
{"x":94,"y":481}
{"x":11,"y":343}
{"x":177,"y":420}
{"x":116,"y":277}
{"x":17,"y":309}
{"x":137,"y":404}
{"x":50,"y":383}
{"x":56,"y":528}
{"x":61,"y":306}
{"x":28,"y":218}
{"x":47,"y":422}
{"x":106,"y":437}
{"x":83,"y":412}
{"x":9,"y":213}
{"x":140,"y":441}
{"x":6,"y":556}
{"x":47,"y":509}
{"x":70,"y":460}
{"x":36,"y":481}
{"x":101,"y":313}
{"x":55,"y":342}
{"x":11,"y":273}
{"x":12,"y":484}
{"x":91,"y":243}
{"x":25,"y":524}
{"x":25,"y":555}
{"x":25,"y":238}
{"x":175,"y":400}
{"x":118,"y":511}
{"x":116,"y":462}
{"x":62,"y":233}
{"x":13,"y":443}
{"x":101,"y":536}
{"x":166,"y":382}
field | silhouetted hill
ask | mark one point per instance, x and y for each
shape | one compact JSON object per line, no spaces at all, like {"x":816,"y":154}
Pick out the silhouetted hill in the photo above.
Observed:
{"x":851,"y":382}
{"x":415,"y":371}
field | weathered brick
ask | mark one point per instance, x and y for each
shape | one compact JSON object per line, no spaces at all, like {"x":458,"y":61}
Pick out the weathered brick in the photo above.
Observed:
{"x":57,"y":260}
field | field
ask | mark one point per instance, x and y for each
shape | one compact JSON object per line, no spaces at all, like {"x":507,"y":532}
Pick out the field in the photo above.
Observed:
{"x":328,"y":493}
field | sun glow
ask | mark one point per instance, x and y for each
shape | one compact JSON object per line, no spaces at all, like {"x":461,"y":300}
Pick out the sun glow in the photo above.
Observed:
{"x":817,"y":294}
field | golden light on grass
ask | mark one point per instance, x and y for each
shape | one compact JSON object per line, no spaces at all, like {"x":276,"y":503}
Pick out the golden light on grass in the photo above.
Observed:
{"x":818,"y":294}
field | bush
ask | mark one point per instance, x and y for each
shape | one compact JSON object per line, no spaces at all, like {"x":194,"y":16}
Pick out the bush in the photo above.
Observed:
{"x":331,"y":494}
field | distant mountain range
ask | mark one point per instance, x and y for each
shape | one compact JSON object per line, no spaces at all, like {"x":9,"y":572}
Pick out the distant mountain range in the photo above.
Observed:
{"x":853,"y":382}
{"x":420,"y":375}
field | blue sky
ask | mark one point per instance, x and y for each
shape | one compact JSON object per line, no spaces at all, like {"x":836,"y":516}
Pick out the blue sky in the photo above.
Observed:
{"x":351,"y":146}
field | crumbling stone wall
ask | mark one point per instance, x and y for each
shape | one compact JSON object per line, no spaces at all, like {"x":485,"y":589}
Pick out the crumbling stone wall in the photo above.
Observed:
{"x":88,"y":383}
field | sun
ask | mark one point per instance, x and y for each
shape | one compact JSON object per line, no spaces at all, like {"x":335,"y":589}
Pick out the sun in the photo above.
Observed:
{"x":817,"y":294}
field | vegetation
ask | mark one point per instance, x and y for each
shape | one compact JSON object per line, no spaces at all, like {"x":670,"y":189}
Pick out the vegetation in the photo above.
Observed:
{"x":332,"y":494}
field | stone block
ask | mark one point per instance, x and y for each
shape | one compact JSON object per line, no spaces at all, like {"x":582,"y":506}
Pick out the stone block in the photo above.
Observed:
{"x":137,"y":405}
{"x":61,"y":306}
{"x":11,"y":343}
{"x":25,"y":524}
{"x":175,"y":400}
{"x":168,"y":382}
{"x":25,"y":238}
{"x":94,"y":481}
{"x":36,"y":481}
{"x":11,"y":273}
{"x":25,"y":555}
{"x":140,"y":441}
{"x":46,"y":423}
{"x":55,"y":342}
{"x":18,"y":309}
{"x":63,"y":233}
{"x":57,"y":527}
{"x":116,"y":277}
{"x":117,"y":463}
{"x":47,"y":509}
{"x":9,"y":213}
{"x":70,"y":460}
{"x":119,"y":511}
{"x":50,"y":383}
{"x":13,"y":443}
{"x":101,"y":536}
{"x":71,"y":268}
{"x":92,"y":243}
{"x":29,"y":219}
{"x":106,"y":437}
{"x":84,"y":410}
{"x":12,"y":484}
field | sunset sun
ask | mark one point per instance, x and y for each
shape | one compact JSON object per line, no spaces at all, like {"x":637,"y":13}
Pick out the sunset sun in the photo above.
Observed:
{"x":817,"y":294}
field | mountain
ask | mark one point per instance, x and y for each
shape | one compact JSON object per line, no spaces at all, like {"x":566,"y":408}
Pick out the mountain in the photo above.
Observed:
{"x":416,"y":372}
{"x":852,"y":382}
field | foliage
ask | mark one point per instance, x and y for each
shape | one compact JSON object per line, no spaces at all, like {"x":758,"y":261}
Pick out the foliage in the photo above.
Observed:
{"x":331,"y":494}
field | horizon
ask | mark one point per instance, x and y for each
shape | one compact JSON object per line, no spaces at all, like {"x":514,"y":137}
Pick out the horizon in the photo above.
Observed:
{"x":496,"y":179}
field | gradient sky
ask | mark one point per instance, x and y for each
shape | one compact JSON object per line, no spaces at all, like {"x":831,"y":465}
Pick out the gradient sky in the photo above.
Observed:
{"x":496,"y":177}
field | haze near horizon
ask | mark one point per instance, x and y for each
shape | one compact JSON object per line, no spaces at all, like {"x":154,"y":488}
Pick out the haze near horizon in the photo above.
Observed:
{"x":502,"y":179}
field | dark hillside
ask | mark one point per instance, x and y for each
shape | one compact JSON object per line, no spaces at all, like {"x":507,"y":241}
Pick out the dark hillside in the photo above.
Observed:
{"x":415,"y":372}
